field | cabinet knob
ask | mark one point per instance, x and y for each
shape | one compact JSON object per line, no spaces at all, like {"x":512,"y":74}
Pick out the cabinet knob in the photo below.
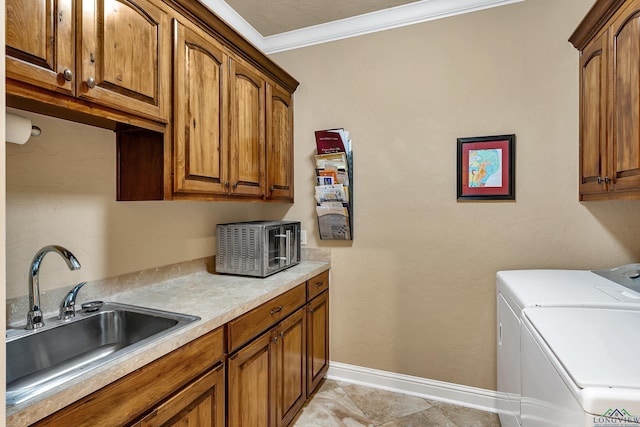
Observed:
{"x":318,"y":284}
{"x":600,"y":180}
{"x":271,"y":189}
{"x":91,"y":82}
{"x":67,"y":74}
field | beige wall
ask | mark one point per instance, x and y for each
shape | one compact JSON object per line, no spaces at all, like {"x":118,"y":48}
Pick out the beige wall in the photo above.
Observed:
{"x":414,"y":293}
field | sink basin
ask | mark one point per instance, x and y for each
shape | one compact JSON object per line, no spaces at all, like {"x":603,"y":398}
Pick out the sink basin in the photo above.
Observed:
{"x":42,"y":359}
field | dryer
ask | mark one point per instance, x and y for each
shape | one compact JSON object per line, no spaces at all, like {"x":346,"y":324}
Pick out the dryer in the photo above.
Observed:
{"x":519,"y":289}
{"x":580,"y":367}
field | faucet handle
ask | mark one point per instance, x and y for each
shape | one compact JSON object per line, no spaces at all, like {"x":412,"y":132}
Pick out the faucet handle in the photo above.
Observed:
{"x":67,"y":306}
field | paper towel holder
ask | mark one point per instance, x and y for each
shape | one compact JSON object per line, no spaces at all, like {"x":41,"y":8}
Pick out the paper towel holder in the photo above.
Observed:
{"x":19,"y":129}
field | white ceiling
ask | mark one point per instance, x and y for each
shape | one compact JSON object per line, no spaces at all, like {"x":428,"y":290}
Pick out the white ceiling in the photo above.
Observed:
{"x":278,"y":25}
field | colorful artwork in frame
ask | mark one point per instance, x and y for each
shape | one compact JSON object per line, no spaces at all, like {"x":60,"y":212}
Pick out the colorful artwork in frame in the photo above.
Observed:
{"x":486,"y":168}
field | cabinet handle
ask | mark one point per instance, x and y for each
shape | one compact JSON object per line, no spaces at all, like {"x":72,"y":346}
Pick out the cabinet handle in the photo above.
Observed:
{"x":318,"y":284}
{"x":606,"y":180}
{"x":67,"y":74}
{"x":276,"y":310}
{"x":226,"y":185}
{"x":235,"y":185}
{"x":310,"y":310}
{"x":271,"y":189}
{"x":91,"y":82}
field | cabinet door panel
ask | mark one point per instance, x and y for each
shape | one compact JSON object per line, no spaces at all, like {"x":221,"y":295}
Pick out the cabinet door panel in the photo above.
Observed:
{"x":291,"y":361}
{"x":593,"y":132}
{"x":199,"y":404}
{"x":247,"y":146}
{"x":40,"y":43}
{"x":251,"y":386}
{"x":626,"y":100}
{"x":279,"y":144}
{"x":124,"y":55}
{"x":317,"y":340}
{"x":199,"y":91}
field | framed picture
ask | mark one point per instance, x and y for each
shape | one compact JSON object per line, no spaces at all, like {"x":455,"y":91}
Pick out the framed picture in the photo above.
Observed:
{"x":486,"y":168}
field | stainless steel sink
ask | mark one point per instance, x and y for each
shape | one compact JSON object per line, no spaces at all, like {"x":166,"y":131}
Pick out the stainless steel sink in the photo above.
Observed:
{"x":39,"y":360}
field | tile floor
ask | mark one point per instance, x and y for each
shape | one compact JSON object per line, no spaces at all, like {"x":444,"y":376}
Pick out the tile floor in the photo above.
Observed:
{"x":338,"y":404}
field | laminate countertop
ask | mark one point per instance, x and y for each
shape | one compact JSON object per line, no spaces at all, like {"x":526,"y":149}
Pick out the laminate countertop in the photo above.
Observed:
{"x":215,"y":298}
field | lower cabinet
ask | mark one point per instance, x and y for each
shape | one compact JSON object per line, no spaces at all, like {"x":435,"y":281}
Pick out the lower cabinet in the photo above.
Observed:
{"x":271,"y":377}
{"x":199,"y":404}
{"x":171,"y":387}
{"x":267,"y":382}
{"x":251,"y":385}
{"x":291,"y":382}
{"x":317,"y":340}
{"x":278,"y":354}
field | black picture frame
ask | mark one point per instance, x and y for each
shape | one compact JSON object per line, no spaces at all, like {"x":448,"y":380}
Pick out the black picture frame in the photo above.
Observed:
{"x":486,"y":168}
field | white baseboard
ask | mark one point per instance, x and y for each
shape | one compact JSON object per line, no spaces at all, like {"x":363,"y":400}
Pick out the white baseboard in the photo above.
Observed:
{"x":471,"y":397}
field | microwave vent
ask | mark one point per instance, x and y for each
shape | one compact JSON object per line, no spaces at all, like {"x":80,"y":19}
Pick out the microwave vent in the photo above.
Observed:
{"x":237,"y":249}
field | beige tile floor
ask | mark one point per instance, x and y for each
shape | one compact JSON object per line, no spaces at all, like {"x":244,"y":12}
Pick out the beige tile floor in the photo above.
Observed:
{"x":338,"y":404}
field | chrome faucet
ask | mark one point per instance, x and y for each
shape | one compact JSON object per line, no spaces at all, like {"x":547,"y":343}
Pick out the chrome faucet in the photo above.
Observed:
{"x":34,"y":317}
{"x":68,"y":304}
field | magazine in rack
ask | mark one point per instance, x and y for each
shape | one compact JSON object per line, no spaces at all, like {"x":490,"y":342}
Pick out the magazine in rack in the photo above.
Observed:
{"x":334,"y":184}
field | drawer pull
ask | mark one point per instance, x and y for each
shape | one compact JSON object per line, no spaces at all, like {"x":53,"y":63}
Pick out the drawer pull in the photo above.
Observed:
{"x":318,"y":284}
{"x":276,"y":310}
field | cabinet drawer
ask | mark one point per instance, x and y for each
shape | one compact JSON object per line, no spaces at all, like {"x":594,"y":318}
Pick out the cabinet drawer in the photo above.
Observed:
{"x":249,"y":325}
{"x":317,"y":285}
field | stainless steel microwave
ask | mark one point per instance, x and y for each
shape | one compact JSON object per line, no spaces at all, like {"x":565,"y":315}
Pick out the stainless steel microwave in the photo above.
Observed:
{"x":257,"y":248}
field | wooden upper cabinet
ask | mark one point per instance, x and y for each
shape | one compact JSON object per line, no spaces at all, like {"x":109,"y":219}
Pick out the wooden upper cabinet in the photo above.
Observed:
{"x":199,"y":112}
{"x":609,"y":41}
{"x":593,"y":126}
{"x":200,"y":87}
{"x":279,"y":144}
{"x":40,"y":43}
{"x":625,"y":110}
{"x":247,"y":138}
{"x":124,"y":54}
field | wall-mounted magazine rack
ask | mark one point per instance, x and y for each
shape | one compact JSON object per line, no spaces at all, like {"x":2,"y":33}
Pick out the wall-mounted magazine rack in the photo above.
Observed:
{"x":334,"y":184}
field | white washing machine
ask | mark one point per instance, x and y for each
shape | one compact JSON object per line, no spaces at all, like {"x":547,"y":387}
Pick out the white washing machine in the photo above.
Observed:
{"x":519,"y":289}
{"x":580,"y":367}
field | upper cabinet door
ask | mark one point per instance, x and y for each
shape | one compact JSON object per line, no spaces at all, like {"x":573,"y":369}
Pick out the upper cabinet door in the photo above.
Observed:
{"x":123,"y":61}
{"x":593,"y":126}
{"x":625,"y":161}
{"x":200,"y":73}
{"x":40,"y":43}
{"x":247,"y":145}
{"x":279,"y":144}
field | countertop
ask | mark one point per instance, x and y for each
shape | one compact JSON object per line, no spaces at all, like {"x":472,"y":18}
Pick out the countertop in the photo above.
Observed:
{"x":215,"y":298}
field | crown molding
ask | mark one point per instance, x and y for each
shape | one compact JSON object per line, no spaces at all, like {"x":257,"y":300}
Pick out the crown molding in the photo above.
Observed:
{"x":400,"y":16}
{"x":235,"y":21}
